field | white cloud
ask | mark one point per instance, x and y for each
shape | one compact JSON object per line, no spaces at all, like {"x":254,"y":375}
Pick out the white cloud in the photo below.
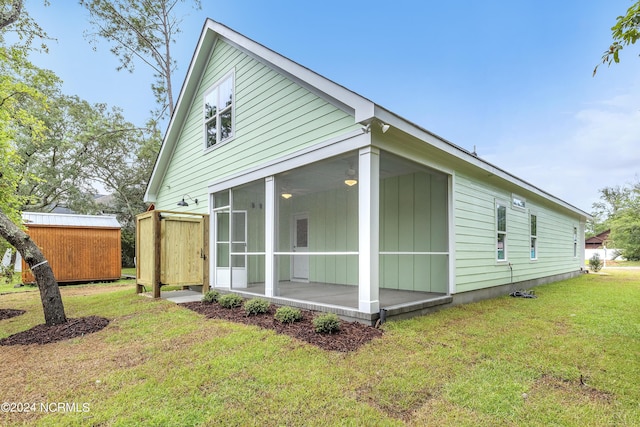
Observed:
{"x":598,"y":147}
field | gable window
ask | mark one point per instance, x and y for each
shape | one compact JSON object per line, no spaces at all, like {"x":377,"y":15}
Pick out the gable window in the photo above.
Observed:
{"x":533,"y":229}
{"x":218,"y":112}
{"x":518,"y":202}
{"x":501,"y":227}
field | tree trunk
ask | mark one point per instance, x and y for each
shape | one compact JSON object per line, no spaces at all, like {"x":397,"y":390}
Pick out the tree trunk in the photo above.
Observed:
{"x":47,"y":284}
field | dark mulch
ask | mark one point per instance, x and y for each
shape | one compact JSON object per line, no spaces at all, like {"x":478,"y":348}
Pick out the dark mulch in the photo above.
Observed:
{"x":43,"y":334}
{"x":8,"y":313}
{"x":351,"y":336}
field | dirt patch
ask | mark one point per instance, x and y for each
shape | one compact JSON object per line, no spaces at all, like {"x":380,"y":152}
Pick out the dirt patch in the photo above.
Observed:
{"x":351,"y":336}
{"x":43,"y":334}
{"x":578,"y":388}
{"x":8,"y":313}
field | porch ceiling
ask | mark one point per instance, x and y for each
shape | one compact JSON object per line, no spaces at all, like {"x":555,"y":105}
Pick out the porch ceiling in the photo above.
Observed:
{"x":330,"y":174}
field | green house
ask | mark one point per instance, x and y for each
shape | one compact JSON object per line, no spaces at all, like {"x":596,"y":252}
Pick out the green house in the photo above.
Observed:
{"x":320,"y":198}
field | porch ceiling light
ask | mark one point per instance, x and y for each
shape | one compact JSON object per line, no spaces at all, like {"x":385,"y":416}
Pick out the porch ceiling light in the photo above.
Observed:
{"x":184,"y":203}
{"x":286,"y":195}
{"x":351,"y":177}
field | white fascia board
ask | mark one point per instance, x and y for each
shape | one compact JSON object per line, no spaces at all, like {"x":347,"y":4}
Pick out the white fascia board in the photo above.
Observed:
{"x":352,"y":103}
{"x":361,"y":108}
{"x":176,"y":123}
{"x":456,"y":151}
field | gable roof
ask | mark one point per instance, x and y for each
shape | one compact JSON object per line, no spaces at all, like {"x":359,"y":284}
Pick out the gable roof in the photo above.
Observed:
{"x":598,"y":239}
{"x":363,"y":110}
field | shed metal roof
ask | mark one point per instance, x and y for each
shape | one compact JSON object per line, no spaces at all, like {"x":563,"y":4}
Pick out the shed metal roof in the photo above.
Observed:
{"x":69,"y":220}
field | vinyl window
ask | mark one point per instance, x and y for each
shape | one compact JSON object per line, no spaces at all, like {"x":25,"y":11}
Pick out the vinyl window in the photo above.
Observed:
{"x":501,"y":228}
{"x":219,"y":112}
{"x":533,"y":230}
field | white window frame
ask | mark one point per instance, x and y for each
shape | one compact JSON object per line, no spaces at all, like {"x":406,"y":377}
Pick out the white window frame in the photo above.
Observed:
{"x":499,"y":232}
{"x":219,"y":112}
{"x":518,"y":202}
{"x":533,"y":242}
{"x":575,"y":241}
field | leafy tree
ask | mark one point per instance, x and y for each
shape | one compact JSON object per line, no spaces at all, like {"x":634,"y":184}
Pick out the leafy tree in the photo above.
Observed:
{"x":19,"y":83}
{"x":621,"y":207}
{"x":625,"y":233}
{"x":625,"y":32}
{"x":141,"y":31}
{"x":122,"y":158}
{"x":612,"y":199}
{"x":85,"y":144}
{"x":55,"y":167}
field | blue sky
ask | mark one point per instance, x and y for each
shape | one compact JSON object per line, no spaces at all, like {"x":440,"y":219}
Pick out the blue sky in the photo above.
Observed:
{"x":512,"y":78}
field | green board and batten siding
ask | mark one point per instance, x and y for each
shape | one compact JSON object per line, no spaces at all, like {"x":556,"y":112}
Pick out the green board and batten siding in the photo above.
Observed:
{"x":274,"y":117}
{"x":475,"y":238}
{"x":413,"y":218}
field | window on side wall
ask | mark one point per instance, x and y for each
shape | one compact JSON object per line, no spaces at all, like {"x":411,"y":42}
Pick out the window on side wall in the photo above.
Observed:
{"x":533,"y":226}
{"x":501,"y":227}
{"x":219,"y":112}
{"x":575,"y":242}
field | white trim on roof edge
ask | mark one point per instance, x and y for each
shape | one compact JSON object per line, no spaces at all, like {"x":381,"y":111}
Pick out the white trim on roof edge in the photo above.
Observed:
{"x":363,"y":110}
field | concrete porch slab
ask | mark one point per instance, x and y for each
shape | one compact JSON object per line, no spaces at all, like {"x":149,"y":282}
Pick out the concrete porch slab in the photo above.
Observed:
{"x":324,"y":297}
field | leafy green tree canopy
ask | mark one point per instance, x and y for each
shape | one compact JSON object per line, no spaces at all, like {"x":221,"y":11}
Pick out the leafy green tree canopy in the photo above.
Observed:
{"x":625,"y":32}
{"x":620,"y":206}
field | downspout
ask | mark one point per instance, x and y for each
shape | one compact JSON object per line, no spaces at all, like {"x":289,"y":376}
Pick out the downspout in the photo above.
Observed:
{"x":511,"y":270}
{"x":383,"y":316}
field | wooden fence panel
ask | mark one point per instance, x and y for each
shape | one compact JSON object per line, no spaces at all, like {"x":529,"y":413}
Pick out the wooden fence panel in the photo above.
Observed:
{"x":171,"y":249}
{"x":145,"y":244}
{"x":182,"y":251}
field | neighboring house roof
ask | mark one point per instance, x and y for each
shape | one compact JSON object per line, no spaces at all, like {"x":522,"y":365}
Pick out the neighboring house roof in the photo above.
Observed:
{"x":598,"y":239}
{"x":64,"y":220}
{"x":363,"y":110}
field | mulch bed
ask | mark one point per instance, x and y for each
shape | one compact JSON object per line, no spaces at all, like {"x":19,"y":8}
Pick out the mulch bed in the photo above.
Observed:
{"x":8,"y":313}
{"x":43,"y":334}
{"x":351,"y":336}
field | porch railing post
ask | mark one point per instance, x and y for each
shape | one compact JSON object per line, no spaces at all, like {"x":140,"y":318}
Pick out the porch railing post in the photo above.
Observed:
{"x":369,"y":223}
{"x":270,"y":234}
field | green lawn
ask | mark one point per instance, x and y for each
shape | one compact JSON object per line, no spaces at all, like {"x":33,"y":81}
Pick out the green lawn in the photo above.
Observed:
{"x":506,"y":361}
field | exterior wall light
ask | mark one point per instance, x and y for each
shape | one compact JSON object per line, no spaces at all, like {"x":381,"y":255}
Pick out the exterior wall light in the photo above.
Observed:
{"x":184,"y":203}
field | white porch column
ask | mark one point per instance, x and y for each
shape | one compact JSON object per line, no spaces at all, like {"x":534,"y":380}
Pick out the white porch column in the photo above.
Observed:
{"x":369,"y":228}
{"x":269,"y":236}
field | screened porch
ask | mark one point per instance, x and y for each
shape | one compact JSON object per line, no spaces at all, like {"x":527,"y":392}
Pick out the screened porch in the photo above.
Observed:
{"x":304,"y":235}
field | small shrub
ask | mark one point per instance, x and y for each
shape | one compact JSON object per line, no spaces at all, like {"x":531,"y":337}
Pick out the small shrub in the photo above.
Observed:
{"x":230,"y":300}
{"x":211,"y":297}
{"x":327,"y":323}
{"x":595,"y":263}
{"x":256,"y":306}
{"x":288,"y":315}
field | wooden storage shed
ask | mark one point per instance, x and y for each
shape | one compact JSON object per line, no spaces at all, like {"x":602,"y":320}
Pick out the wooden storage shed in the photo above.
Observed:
{"x":79,"y":248}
